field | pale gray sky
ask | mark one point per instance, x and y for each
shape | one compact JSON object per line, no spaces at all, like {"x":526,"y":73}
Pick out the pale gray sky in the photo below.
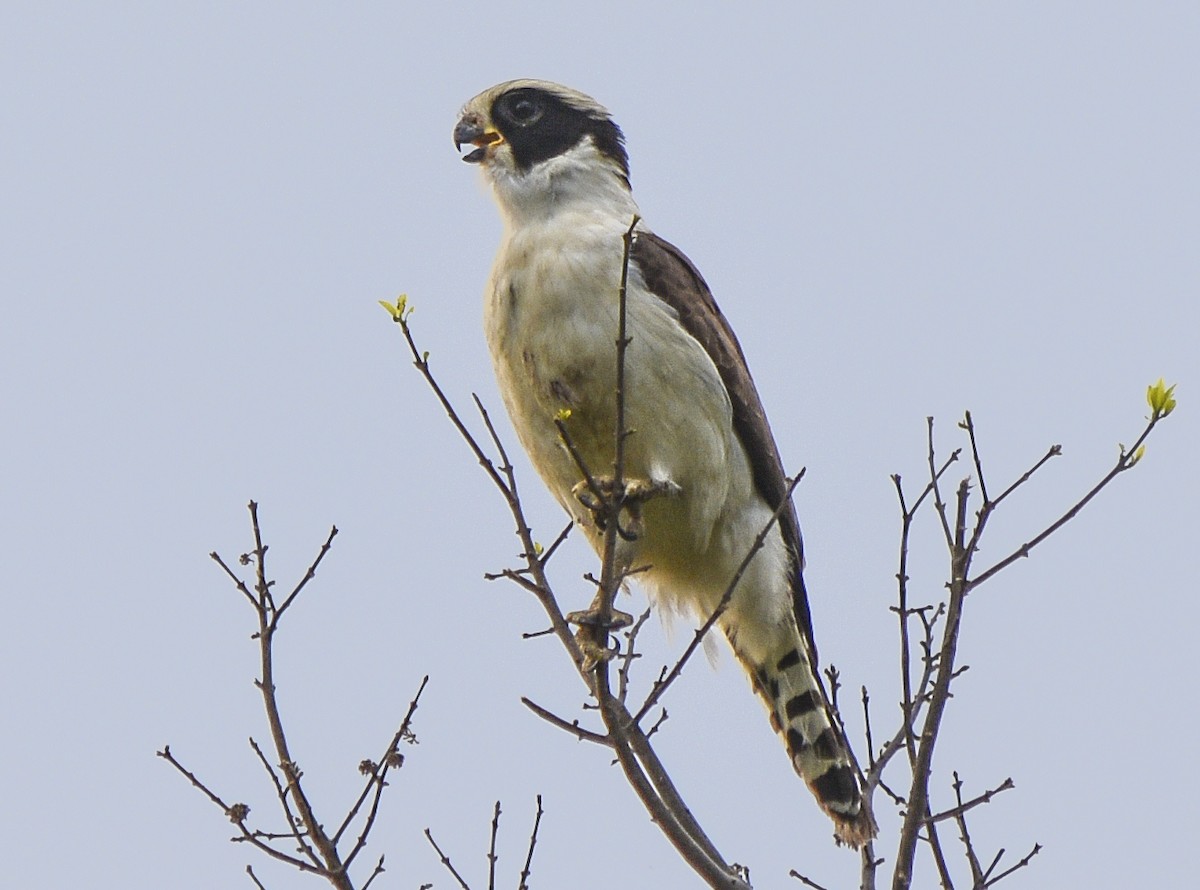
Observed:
{"x":903,"y":213}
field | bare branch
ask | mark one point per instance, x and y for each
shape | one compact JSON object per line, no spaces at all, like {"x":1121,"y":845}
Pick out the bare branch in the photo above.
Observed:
{"x":572,"y":726}
{"x":166,"y":755}
{"x":969,"y":425}
{"x":308,"y":576}
{"x":562,"y":536}
{"x":492,"y":857}
{"x":1052,"y":452}
{"x":378,"y":870}
{"x":334,"y":869}
{"x":907,"y":706}
{"x":939,"y":856}
{"x":377,"y":778}
{"x":807,"y":882}
{"x":654,"y":727}
{"x":285,"y":805}
{"x":238,"y":582}
{"x":965,"y":836}
{"x":237,"y":814}
{"x":934,"y":478}
{"x":533,"y":835}
{"x":918,"y":795}
{"x":1126,"y":460}
{"x":905,"y":735}
{"x":505,"y":482}
{"x":866,"y":706}
{"x":629,"y":655}
{"x":1037,"y":848}
{"x":961,"y":544}
{"x":517,"y":576}
{"x":835,"y":685}
{"x":868,"y":865}
{"x":964,"y":806}
{"x":989,"y":506}
{"x":319,"y":853}
{"x":446,"y":862}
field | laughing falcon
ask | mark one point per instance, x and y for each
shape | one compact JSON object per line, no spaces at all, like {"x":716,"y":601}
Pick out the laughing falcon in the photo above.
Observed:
{"x":557,"y":165}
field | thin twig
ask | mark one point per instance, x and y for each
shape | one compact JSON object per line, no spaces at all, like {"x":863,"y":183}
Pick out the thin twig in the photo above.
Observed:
{"x":1052,"y":452}
{"x":969,"y":425}
{"x":237,"y":814}
{"x":654,"y":727}
{"x":989,"y":506}
{"x":962,"y":807}
{"x":505,"y":481}
{"x":1037,"y":848}
{"x":308,"y":576}
{"x":869,"y":864}
{"x":965,"y":836}
{"x":285,"y":805}
{"x":533,"y":835}
{"x":238,"y":582}
{"x":629,"y":655}
{"x":918,"y":796}
{"x":910,"y":705}
{"x":492,"y":857}
{"x":807,"y":882}
{"x":446,"y":862}
{"x":571,"y":726}
{"x":866,"y":706}
{"x":906,"y":696}
{"x":517,"y":576}
{"x":377,"y":780}
{"x":562,"y":536}
{"x":919,"y":699}
{"x":934,"y":478}
{"x":379,"y":869}
{"x":939,"y":856}
{"x":1126,"y":460}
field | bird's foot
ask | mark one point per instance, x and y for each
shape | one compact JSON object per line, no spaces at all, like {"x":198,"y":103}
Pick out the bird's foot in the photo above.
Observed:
{"x":594,"y":627}
{"x":600,"y":494}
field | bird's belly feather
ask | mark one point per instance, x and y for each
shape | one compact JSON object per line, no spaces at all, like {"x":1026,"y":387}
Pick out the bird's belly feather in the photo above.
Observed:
{"x":551,"y":319}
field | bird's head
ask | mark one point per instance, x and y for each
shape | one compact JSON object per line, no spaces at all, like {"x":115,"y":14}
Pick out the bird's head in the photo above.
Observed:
{"x":534,"y":136}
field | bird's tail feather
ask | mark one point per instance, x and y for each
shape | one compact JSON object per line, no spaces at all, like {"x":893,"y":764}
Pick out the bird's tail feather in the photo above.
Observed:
{"x":802,"y":716}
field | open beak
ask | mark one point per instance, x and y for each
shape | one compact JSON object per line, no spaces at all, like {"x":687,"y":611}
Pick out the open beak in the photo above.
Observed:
{"x":470,"y":130}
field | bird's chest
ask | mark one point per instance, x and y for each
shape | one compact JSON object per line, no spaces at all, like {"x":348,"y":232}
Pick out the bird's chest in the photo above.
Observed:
{"x":551,"y":321}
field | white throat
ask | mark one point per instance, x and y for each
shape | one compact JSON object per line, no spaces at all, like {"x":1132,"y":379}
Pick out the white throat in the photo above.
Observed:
{"x":579,"y":180}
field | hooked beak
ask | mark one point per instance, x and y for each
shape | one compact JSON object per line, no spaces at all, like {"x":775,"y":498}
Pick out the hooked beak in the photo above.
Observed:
{"x":470,"y":130}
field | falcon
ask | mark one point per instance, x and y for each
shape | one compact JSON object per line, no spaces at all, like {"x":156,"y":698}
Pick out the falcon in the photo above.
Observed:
{"x":557,"y":166}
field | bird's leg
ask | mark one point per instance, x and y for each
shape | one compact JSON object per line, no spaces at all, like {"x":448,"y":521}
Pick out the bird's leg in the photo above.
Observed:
{"x":635,"y":493}
{"x":595,"y":623}
{"x":601,"y":618}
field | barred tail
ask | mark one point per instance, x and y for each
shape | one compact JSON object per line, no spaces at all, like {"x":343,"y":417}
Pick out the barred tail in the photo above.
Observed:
{"x":800,"y":713}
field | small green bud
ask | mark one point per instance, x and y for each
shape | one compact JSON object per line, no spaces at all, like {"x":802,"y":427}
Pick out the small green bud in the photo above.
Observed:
{"x":1161,"y":398}
{"x":400,"y":310}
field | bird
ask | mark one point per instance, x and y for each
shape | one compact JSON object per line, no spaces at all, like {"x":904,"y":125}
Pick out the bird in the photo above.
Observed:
{"x":558,"y":169}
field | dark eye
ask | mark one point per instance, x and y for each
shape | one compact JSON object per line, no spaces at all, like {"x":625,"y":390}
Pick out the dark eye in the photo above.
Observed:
{"x":524,"y":110}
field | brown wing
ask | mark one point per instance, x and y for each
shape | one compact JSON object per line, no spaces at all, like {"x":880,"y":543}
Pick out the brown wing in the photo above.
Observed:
{"x":671,"y":277}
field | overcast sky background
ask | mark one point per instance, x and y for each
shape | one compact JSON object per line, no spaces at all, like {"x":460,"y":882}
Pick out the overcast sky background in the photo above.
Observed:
{"x":903,"y":212}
